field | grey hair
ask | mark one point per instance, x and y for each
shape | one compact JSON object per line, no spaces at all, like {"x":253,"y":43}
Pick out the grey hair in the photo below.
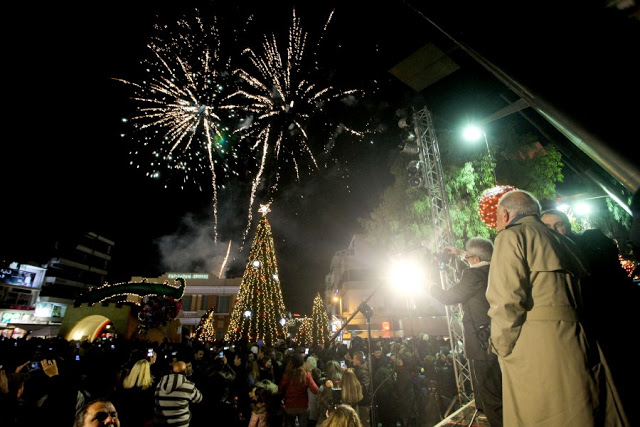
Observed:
{"x":480,"y":247}
{"x":520,"y":202}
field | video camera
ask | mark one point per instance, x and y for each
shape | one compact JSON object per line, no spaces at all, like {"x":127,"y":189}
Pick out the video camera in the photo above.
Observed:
{"x":444,"y":257}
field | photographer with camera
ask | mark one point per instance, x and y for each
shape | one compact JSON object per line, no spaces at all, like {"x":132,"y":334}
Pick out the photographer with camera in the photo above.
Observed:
{"x":470,"y":292}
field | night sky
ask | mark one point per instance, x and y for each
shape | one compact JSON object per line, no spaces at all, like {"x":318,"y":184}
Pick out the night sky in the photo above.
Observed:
{"x":66,"y":167}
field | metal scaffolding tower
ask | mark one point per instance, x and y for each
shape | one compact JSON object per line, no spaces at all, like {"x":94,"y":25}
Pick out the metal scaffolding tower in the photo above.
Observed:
{"x":431,"y":178}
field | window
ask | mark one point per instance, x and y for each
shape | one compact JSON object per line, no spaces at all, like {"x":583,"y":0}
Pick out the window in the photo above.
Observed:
{"x":186,"y":302}
{"x":222,"y":305}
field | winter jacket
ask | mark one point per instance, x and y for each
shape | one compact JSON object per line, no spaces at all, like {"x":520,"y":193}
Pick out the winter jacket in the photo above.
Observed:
{"x":295,"y":395}
{"x":470,"y":292}
{"x":552,"y":371}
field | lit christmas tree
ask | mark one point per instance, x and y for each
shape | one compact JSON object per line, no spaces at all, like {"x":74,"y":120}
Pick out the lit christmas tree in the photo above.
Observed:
{"x":319,"y":328}
{"x":206,"y":330}
{"x":303,"y":335}
{"x":259,"y":311}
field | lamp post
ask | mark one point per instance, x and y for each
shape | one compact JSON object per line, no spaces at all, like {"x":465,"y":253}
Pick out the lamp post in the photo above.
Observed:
{"x":338,"y":300}
{"x":474,"y":133}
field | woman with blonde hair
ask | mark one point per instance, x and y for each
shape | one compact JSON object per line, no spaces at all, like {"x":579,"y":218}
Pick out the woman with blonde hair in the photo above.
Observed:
{"x":343,"y":416}
{"x":310,"y":364}
{"x":140,"y":376}
{"x":135,"y":400}
{"x":351,"y":388}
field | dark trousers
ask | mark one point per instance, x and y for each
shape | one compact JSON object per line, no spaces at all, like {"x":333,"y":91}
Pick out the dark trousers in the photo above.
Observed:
{"x":487,"y":388}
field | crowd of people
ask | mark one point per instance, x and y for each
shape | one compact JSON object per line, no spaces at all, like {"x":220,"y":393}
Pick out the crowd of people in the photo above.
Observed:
{"x":538,"y":352}
{"x":236,"y":384}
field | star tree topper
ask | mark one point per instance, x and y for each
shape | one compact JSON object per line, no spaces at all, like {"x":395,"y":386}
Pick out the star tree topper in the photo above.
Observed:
{"x":264,"y":209}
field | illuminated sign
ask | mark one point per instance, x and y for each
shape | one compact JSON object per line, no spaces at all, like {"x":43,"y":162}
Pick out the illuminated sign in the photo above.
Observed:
{"x":386,"y":326}
{"x":188,"y":276}
{"x":13,"y":317}
{"x":17,"y":277}
{"x":46,"y":309}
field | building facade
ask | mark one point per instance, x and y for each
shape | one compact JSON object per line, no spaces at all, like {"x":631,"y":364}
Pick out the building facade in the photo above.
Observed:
{"x":35,"y":298}
{"x":20,"y":309}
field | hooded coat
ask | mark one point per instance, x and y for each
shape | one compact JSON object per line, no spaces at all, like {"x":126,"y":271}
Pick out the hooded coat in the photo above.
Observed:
{"x":174,"y":393}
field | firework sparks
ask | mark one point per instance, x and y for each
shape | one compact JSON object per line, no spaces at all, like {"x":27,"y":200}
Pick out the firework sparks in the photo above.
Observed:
{"x":282,"y":99}
{"x":224,"y":261}
{"x":196,"y":118}
{"x":180,"y":119}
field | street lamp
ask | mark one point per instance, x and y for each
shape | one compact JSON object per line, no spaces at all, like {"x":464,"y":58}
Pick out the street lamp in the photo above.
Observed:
{"x":474,"y":133}
{"x":338,"y":300}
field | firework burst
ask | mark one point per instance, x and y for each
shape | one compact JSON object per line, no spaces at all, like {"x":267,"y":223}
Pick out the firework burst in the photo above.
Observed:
{"x":200,"y":115}
{"x":282,"y":95}
{"x":180,"y":122}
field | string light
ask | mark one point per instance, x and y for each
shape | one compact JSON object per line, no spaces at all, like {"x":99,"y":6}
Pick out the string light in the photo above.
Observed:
{"x":319,"y":322}
{"x":136,"y":289}
{"x":488,"y":204}
{"x":154,"y":304}
{"x":260,"y":293}
{"x":303,"y":335}
{"x":206,"y":330}
{"x":628,"y":265}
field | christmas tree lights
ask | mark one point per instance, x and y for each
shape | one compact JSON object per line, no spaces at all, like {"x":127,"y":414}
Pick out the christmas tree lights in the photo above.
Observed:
{"x":259,"y":311}
{"x":206,"y":330}
{"x":303,"y":334}
{"x":319,"y":328}
{"x":154,"y":305}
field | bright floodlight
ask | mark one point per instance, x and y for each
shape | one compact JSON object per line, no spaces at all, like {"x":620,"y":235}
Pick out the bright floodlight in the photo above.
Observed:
{"x":406,"y":276}
{"x":582,"y":208}
{"x":472,"y":133}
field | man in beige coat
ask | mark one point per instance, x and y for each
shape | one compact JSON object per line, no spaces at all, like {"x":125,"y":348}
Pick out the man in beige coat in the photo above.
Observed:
{"x":553,"y":374}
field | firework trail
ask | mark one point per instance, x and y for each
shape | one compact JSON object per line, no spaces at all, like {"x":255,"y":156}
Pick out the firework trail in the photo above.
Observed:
{"x":224,"y":261}
{"x":282,"y":97}
{"x":179,"y":113}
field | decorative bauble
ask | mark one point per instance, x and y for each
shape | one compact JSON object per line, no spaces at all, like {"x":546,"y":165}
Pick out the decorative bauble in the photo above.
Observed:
{"x":488,"y":204}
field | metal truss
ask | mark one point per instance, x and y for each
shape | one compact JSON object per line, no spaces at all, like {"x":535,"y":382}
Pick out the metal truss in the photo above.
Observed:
{"x":432,"y":180}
